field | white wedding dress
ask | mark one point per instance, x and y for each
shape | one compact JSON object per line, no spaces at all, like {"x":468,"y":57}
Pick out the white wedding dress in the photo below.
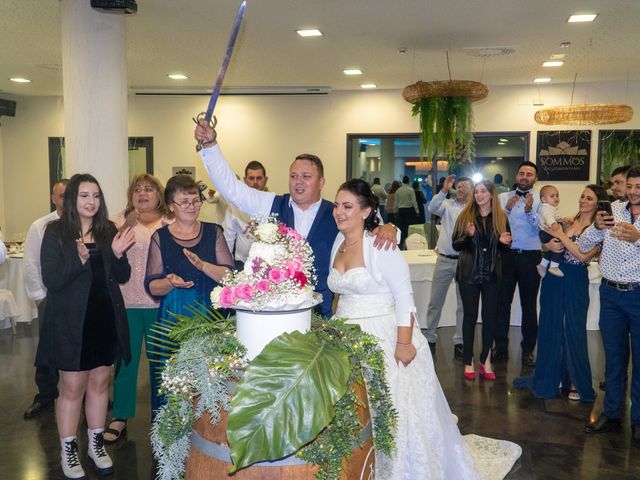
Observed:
{"x":429,"y":445}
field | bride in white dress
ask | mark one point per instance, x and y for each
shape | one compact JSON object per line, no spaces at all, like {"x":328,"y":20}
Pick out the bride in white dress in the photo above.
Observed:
{"x":375,"y":293}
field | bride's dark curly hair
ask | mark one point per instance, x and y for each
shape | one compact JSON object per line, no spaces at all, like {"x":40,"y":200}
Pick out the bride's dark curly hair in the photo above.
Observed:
{"x":366,"y":198}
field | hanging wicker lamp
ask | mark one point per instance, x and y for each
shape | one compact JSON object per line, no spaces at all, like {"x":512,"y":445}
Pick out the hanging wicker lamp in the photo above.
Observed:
{"x":584,"y":114}
{"x":445,"y":88}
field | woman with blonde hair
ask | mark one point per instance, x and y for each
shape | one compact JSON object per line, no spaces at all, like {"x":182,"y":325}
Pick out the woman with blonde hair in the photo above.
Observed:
{"x":146,"y":211}
{"x":481,"y":231}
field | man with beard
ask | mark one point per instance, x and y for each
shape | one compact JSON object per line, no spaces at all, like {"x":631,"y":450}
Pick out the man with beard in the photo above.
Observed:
{"x":519,"y":265}
{"x":619,"y":235}
{"x":619,"y":183}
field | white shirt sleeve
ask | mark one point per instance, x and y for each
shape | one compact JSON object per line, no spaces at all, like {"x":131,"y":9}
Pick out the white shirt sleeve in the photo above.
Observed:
{"x":31,"y":261}
{"x":436,"y":206}
{"x":395,"y":272}
{"x":3,"y":252}
{"x":547,"y":215}
{"x":230,"y":229}
{"x":249,"y":200}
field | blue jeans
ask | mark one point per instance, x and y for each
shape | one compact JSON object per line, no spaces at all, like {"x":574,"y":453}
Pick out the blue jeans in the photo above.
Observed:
{"x":619,"y":318}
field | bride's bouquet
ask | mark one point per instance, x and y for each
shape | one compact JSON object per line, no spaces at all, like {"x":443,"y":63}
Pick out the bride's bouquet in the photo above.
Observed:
{"x":278,"y":274}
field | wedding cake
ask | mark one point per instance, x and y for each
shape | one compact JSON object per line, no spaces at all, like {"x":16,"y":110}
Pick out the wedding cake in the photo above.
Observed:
{"x":274,"y":293}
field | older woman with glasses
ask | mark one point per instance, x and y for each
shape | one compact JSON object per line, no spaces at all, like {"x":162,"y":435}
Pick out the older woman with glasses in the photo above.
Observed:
{"x":146,"y":211}
{"x":186,"y":261}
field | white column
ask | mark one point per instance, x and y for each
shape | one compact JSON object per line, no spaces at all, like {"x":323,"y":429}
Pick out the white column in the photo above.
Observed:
{"x":94,"y":66}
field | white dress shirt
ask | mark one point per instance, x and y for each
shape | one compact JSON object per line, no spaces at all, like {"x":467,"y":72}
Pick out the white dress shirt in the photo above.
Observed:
{"x":235,"y":233}
{"x":36,"y":290}
{"x":252,"y":202}
{"x":523,"y":225}
{"x":448,"y":210}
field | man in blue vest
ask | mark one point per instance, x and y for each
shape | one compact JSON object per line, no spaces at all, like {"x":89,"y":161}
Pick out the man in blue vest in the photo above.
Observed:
{"x":302,"y":208}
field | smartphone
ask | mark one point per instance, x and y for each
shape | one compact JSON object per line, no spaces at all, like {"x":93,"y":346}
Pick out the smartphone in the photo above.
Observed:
{"x":605,"y":206}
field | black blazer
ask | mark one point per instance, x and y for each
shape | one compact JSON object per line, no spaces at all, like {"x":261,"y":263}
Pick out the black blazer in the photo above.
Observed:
{"x":471,"y":262}
{"x":68,"y":284}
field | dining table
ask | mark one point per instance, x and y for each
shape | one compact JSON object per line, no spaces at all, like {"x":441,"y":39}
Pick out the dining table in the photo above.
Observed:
{"x":12,"y":279}
{"x":422,"y":264}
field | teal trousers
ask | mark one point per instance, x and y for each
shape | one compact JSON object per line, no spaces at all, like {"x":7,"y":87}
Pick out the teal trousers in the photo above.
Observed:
{"x":125,"y":385}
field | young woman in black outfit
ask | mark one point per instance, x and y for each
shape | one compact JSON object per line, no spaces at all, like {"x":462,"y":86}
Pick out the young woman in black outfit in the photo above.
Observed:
{"x":481,"y":231}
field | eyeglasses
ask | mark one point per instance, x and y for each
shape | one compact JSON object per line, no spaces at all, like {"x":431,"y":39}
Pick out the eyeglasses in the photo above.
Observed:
{"x":185,"y":205}
{"x":144,"y":189}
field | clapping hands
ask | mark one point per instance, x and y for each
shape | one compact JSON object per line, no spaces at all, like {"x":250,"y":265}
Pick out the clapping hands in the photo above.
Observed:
{"x":471,"y":229}
{"x":122,"y":242}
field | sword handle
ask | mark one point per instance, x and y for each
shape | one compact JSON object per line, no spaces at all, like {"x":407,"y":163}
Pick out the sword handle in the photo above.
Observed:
{"x":212,"y":123}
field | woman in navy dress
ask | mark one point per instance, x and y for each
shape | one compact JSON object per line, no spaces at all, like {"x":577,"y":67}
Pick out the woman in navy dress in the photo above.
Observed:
{"x":186,"y":261}
{"x":563,"y":357}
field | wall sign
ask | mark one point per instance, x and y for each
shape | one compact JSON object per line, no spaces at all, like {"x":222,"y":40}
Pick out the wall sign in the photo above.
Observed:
{"x":563,"y":155}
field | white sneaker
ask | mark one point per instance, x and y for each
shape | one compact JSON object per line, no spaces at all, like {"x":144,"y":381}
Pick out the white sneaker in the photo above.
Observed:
{"x":556,"y":271}
{"x":69,"y":459}
{"x":97,"y":453}
{"x":542,"y":270}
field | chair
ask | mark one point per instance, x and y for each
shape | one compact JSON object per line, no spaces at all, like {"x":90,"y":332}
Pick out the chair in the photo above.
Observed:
{"x":8,"y":308}
{"x":415,"y":241}
{"x":427,"y":232}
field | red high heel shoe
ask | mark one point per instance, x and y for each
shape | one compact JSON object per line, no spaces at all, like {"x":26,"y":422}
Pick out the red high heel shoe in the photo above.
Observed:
{"x":469,"y":375}
{"x":485,"y":374}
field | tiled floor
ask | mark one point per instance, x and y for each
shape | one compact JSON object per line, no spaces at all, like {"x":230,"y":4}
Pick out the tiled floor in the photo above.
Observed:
{"x":550,"y":432}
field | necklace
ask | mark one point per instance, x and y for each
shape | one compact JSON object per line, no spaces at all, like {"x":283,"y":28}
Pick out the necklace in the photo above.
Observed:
{"x":347,"y":245}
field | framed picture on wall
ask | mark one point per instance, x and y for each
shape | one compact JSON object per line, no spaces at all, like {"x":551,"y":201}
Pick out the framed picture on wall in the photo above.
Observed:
{"x":563,"y":155}
{"x":184,"y":171}
{"x":617,"y":148}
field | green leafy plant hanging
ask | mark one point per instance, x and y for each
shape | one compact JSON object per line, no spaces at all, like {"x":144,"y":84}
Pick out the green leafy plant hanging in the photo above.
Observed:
{"x":446,"y":128}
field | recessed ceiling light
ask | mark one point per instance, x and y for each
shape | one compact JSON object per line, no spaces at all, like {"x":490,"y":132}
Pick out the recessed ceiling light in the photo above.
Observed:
{"x":312,"y":32}
{"x":177,"y":76}
{"x":590,"y":17}
{"x":504,"y":140}
{"x":565,"y":44}
{"x":20,"y":80}
{"x":352,"y":71}
{"x":541,"y":80}
{"x":557,"y":56}
{"x":553,"y":63}
{"x":368,"y":85}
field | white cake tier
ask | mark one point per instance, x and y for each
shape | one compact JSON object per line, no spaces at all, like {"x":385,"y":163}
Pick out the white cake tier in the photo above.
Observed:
{"x":256,"y":329}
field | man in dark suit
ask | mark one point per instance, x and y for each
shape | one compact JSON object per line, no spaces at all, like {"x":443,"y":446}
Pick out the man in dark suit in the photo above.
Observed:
{"x":302,"y":208}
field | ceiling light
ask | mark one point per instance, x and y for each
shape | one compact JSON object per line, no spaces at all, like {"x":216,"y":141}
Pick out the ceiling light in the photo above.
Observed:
{"x":352,"y":71}
{"x":541,"y":80}
{"x":20,"y":80}
{"x":312,"y":32}
{"x":553,"y":63}
{"x":476,"y":177}
{"x":504,"y":140}
{"x":368,"y":85}
{"x":557,"y":56}
{"x":177,"y":76}
{"x":565,"y":44}
{"x":590,"y":17}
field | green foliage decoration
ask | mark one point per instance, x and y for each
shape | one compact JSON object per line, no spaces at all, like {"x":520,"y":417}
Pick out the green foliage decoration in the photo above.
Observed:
{"x":618,"y":150}
{"x":269,"y":416}
{"x":210,"y":357}
{"x":446,"y":128}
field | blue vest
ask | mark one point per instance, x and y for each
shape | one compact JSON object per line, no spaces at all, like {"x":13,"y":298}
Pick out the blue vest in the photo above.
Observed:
{"x":321,"y":237}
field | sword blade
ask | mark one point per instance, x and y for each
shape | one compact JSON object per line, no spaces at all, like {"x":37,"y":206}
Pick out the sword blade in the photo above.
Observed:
{"x":225,"y":63}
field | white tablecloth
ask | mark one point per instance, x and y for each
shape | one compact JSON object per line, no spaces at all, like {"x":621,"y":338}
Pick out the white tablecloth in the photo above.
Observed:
{"x":12,"y":278}
{"x":422,"y":264}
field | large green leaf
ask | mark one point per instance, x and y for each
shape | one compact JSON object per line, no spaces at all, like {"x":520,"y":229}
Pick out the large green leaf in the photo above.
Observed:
{"x":286,"y":398}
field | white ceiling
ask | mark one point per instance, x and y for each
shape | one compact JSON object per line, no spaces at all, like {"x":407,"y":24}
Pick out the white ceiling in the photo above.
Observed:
{"x":189,"y":36}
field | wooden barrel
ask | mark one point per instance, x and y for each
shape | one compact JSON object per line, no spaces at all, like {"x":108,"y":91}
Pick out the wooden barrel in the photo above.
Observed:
{"x":209,"y":454}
